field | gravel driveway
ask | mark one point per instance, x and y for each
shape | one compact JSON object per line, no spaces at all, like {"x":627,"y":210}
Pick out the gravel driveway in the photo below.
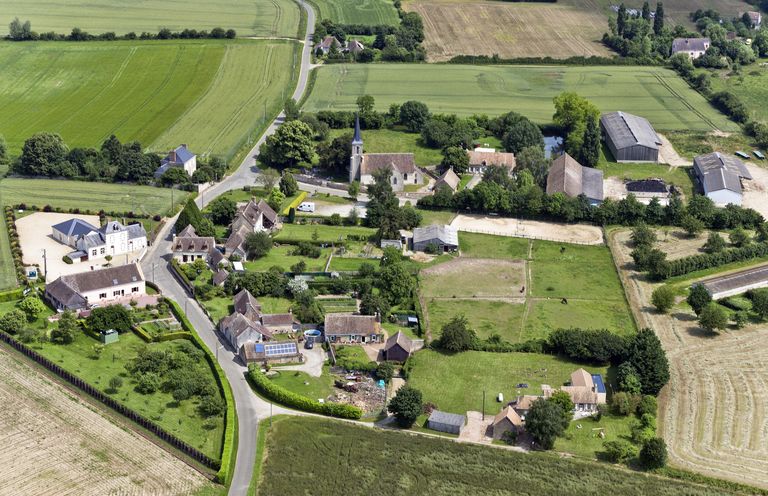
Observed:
{"x":313,"y":362}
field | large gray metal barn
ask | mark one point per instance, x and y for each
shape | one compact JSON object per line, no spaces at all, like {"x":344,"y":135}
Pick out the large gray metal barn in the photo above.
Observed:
{"x":451,"y":423}
{"x":629,"y":137}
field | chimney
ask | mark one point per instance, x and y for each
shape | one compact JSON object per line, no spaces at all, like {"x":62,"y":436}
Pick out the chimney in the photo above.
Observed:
{"x":172,"y":155}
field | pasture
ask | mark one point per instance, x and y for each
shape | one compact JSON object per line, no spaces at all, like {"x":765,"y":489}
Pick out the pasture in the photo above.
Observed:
{"x":395,"y":463}
{"x":209,"y":94}
{"x":751,"y":86}
{"x":655,"y":93}
{"x":55,"y":440}
{"x":486,"y":317}
{"x":369,"y":12}
{"x":7,"y":269}
{"x":247,"y":17}
{"x":90,"y":196}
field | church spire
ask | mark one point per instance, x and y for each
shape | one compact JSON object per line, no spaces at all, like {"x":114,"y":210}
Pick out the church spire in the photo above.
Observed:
{"x":357,"y":139}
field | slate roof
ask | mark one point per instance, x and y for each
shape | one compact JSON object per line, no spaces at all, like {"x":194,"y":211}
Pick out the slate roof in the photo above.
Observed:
{"x":63,"y":293}
{"x":217,"y":257}
{"x":178,"y":156}
{"x":627,"y":130}
{"x":93,"y":280}
{"x":484,"y":157}
{"x":357,"y":139}
{"x":194,"y":244}
{"x":447,"y":418}
{"x":446,"y":234}
{"x":220,"y":277}
{"x":239,"y":324}
{"x":187,"y":232}
{"x":690,"y":44}
{"x":400,"y":339}
{"x":329,"y":41}
{"x":253,"y":209}
{"x":74,"y":227}
{"x":568,"y":176}
{"x":403,"y":163}
{"x":717,"y":172}
{"x":277,"y":319}
{"x":343,"y":324}
{"x":246,"y":304}
{"x":448,"y":178}
{"x":355,"y":46}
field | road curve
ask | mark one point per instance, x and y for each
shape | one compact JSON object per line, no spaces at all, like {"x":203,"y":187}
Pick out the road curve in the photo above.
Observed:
{"x":157,"y":269}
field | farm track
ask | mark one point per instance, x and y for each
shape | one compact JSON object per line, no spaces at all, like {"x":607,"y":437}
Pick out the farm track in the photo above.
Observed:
{"x":712,"y":413}
{"x":682,"y":100}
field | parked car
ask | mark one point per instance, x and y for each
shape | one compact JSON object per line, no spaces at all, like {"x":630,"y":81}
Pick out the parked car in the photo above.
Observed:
{"x":309,"y":343}
{"x":306,"y":207}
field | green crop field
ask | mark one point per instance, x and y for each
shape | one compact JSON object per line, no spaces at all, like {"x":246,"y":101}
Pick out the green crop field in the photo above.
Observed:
{"x":247,"y":17}
{"x":655,"y":93}
{"x":391,"y":463}
{"x":208,"y":94}
{"x":370,"y":12}
{"x":90,"y":196}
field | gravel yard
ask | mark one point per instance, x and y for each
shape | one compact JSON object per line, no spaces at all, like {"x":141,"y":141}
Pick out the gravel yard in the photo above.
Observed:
{"x":508,"y":226}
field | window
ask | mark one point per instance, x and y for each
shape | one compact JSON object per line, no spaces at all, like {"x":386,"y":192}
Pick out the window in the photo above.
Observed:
{"x":102,"y":295}
{"x":101,"y":251}
{"x":94,"y":252}
{"x":135,"y":289}
{"x":405,"y":176}
{"x":394,"y":180}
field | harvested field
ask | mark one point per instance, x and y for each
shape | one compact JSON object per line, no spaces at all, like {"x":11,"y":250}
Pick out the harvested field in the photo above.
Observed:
{"x":474,"y":278}
{"x":507,"y":226}
{"x":713,"y":414}
{"x":510,"y":29}
{"x":54,"y":443}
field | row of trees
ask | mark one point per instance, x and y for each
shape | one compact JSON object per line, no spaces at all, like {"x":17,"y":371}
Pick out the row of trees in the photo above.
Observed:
{"x":22,"y":31}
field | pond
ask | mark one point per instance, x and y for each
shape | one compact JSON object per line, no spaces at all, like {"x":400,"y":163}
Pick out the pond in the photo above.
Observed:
{"x":552,"y":144}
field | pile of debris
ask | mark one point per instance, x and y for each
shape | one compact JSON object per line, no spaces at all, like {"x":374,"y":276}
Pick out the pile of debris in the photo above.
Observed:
{"x":361,"y":391}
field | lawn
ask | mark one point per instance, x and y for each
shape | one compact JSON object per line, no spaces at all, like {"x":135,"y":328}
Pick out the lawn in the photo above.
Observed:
{"x":281,"y":256}
{"x":337,"y":304}
{"x":545,"y":316}
{"x":304,"y":384}
{"x":390,"y":463}
{"x":391,"y":141}
{"x":369,"y":12}
{"x":475,"y":245}
{"x":350,"y":264}
{"x":655,"y":93}
{"x":586,"y":442}
{"x":751,"y":86}
{"x":679,"y":176}
{"x":90,"y":196}
{"x":486,"y":317}
{"x":440,"y":217}
{"x":325,"y":234}
{"x":7,"y":269}
{"x":455,"y":383}
{"x":247,"y":17}
{"x":210,"y":94}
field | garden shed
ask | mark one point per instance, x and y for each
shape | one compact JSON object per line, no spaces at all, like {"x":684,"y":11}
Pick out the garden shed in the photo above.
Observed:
{"x":629,"y":137}
{"x":451,"y":423}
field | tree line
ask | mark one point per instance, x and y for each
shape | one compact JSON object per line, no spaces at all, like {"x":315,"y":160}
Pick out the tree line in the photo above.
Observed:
{"x":22,"y":31}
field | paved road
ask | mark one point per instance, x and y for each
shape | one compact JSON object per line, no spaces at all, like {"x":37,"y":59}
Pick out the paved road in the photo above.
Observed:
{"x":249,"y":407}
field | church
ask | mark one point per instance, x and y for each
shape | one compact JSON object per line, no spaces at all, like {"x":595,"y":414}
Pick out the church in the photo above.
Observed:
{"x":362,"y":166}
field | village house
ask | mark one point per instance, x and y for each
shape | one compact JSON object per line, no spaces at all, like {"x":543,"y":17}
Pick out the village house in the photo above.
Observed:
{"x":362,"y":166}
{"x":342,"y":328}
{"x":355,"y":47}
{"x":187,"y":246}
{"x":630,"y":138}
{"x":325,"y":45}
{"x":586,"y":391}
{"x":442,"y":238}
{"x":90,"y":242}
{"x":253,"y":217}
{"x":482,"y":158}
{"x":180,"y":157}
{"x":220,"y":277}
{"x":239,"y":329}
{"x":720,"y":177}
{"x":569,"y":177}
{"x":507,"y":420}
{"x":247,"y":323}
{"x":97,"y":287}
{"x":523,"y":403}
{"x":756,"y":18}
{"x":270,"y":352}
{"x":398,"y":348}
{"x":693,"y":47}
{"x":447,"y":179}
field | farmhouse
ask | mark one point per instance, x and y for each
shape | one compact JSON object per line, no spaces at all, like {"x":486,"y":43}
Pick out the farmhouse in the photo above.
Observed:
{"x":443,"y":238}
{"x":522,"y":404}
{"x":755,"y":18}
{"x":276,"y":323}
{"x":451,"y":423}
{"x":188,"y":246}
{"x":568,"y":176}
{"x":341,"y":328}
{"x":239,"y":329}
{"x":398,"y":347}
{"x":354,"y":46}
{"x":482,"y":158}
{"x":586,"y":391}
{"x":362,"y":166}
{"x":179,"y":157}
{"x":85,"y":289}
{"x":693,"y":47}
{"x":629,"y":137}
{"x":325,"y":45}
{"x":737,"y":283}
{"x":720,"y":177}
{"x":279,"y":352}
{"x":91,"y":242}
{"x":507,"y":420}
{"x":449,"y":180}
{"x":252,"y":217}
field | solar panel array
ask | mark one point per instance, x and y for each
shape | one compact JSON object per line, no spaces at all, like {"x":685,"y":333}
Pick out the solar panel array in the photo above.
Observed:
{"x":280,"y":349}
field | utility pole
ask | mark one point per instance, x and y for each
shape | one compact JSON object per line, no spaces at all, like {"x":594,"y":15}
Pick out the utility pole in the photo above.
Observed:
{"x":153,"y":273}
{"x":45,"y":265}
{"x":483,"y":404}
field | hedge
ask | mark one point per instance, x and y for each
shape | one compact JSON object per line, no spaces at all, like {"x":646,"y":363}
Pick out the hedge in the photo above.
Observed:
{"x":170,"y":336}
{"x":290,"y":399}
{"x":142,"y":334}
{"x":12,"y":295}
{"x":694,"y":263}
{"x":295,"y":203}
{"x":229,"y":450}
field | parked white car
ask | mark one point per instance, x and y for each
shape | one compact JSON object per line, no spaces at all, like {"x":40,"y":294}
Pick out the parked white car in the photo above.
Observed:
{"x":306,"y":207}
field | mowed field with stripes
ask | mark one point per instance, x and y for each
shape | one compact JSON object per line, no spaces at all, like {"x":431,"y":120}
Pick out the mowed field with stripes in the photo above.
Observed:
{"x":209,"y":94}
{"x":652,"y":92}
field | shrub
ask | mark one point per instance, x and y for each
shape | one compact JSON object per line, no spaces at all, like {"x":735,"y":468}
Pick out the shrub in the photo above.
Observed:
{"x":654,"y":453}
{"x":66,"y":259}
{"x":663,"y":298}
{"x":147,"y":383}
{"x":588,"y":345}
{"x":619,"y":450}
{"x":647,"y":405}
{"x":407,"y":405}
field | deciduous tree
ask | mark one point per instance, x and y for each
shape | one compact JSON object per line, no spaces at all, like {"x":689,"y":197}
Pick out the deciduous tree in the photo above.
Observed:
{"x":457,"y":336}
{"x":545,"y":422}
{"x":258,"y":244}
{"x":698,"y":298}
{"x":406,"y":405}
{"x":663,"y":298}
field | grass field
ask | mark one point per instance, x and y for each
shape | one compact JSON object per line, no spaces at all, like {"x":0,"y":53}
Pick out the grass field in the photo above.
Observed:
{"x":398,"y":464}
{"x":90,"y":196}
{"x":486,"y":317}
{"x":476,"y":245}
{"x":655,"y":93}
{"x":247,"y":17}
{"x":7,"y":269}
{"x":440,"y":217}
{"x":545,"y":316}
{"x":206,"y":93}
{"x":281,"y":256}
{"x":370,"y":12}
{"x":327,"y":234}
{"x":751,"y":86}
{"x":455,"y":382}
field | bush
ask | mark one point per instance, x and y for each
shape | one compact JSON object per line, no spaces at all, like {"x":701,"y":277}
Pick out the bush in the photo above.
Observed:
{"x":647,"y":405}
{"x":588,"y":345}
{"x":66,"y":260}
{"x":407,"y":405}
{"x":654,"y":453}
{"x":290,"y":399}
{"x":623,"y":403}
{"x":147,"y":383}
{"x":619,"y":451}
{"x":663,"y":298}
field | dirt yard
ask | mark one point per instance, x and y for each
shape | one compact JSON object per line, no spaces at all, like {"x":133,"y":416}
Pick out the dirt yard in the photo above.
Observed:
{"x":474,"y":278}
{"x":35,"y":236}
{"x":713,"y":414}
{"x":507,"y":226}
{"x":668,"y":155}
{"x":55,"y":444}
{"x":756,"y":190}
{"x":509,"y":29}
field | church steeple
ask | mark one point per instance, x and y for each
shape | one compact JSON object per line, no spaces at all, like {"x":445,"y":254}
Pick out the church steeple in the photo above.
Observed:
{"x":357,"y":152}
